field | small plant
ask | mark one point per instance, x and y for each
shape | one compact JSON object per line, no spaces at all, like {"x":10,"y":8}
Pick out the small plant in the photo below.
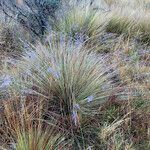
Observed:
{"x":24,"y":127}
{"x":40,"y":140}
{"x":144,"y":29}
{"x":130,"y":22}
{"x":121,"y":25}
{"x":73,"y":83}
{"x":81,"y":22}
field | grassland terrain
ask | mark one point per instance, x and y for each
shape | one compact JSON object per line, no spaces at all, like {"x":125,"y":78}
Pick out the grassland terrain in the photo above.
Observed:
{"x":74,"y":74}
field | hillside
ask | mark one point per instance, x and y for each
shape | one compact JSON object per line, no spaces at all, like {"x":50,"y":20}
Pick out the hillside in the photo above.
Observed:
{"x":74,"y":74}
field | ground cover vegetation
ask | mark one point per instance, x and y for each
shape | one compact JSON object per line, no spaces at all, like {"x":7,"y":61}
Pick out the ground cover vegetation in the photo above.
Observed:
{"x":74,"y":74}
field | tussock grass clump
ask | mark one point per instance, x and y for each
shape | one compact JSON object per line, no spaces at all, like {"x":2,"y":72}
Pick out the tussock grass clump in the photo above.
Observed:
{"x":73,"y":83}
{"x":39,"y":140}
{"x":144,"y":29}
{"x":22,"y":126}
{"x":128,"y":130}
{"x":81,"y":21}
{"x":132,"y":22}
{"x":61,"y":94}
{"x":121,"y":25}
